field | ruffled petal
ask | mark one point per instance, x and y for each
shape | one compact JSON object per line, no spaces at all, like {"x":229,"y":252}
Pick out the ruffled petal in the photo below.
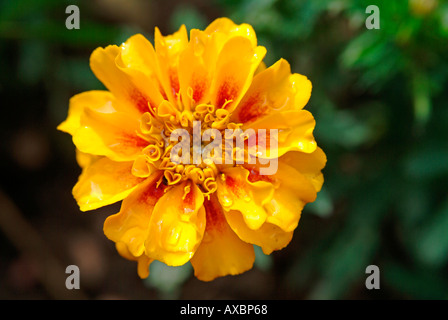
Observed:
{"x":113,"y":135}
{"x":235,"y":67}
{"x":308,"y":164}
{"x":138,"y":61}
{"x":100,"y":101}
{"x":85,"y":159}
{"x":177,"y":225}
{"x":209,"y":53}
{"x":131,"y":225}
{"x":281,"y":132}
{"x":273,"y":90}
{"x":196,"y":67}
{"x":292,"y":191}
{"x":104,"y":182}
{"x":123,"y":70}
{"x":226,"y":28}
{"x":143,"y":261}
{"x":236,"y":192}
{"x":221,"y":251}
{"x":269,"y":237}
{"x":168,"y":49}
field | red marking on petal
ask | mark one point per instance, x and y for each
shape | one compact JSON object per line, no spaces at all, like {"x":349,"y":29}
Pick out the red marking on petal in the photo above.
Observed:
{"x":231,"y":183}
{"x":152,"y":193}
{"x":254,"y":176}
{"x":199,"y":86}
{"x":189,"y":199}
{"x":139,"y":101}
{"x":174,"y":79}
{"x":263,"y":139}
{"x":234,"y":185}
{"x":227,"y":91}
{"x":252,"y":109}
{"x":162,"y":92}
{"x":133,"y":141}
{"x":214,"y":215}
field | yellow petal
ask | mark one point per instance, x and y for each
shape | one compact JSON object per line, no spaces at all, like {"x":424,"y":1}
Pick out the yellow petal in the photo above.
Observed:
{"x":292,"y":191}
{"x":138,"y":61}
{"x":109,"y":134}
{"x":204,"y":55}
{"x":177,"y":225}
{"x":196,"y":67}
{"x":236,"y":192}
{"x":85,"y":159}
{"x":110,"y":69}
{"x":131,"y":225}
{"x":221,"y":252}
{"x":273,"y":90}
{"x":288,"y":131}
{"x":308,"y":164}
{"x":269,"y":237}
{"x":104,"y":182}
{"x":142,"y":168}
{"x":143,"y":266}
{"x":101,"y":101}
{"x":168,"y":50}
{"x":261,"y":67}
{"x":143,"y":260}
{"x":229,"y":29}
{"x":235,"y":67}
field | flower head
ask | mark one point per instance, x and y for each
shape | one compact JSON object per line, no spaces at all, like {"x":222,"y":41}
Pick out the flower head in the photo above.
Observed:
{"x":210,"y":151}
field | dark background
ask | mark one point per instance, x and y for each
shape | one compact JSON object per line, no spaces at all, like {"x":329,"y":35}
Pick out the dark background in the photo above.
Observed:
{"x":380,"y":101}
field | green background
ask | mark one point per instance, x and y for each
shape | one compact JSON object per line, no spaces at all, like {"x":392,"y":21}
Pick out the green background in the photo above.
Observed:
{"x":380,"y":101}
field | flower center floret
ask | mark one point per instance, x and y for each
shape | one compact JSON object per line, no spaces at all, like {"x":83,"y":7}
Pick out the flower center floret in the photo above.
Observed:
{"x":188,"y":144}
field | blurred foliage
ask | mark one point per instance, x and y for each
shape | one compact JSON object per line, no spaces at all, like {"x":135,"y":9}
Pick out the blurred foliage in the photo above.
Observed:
{"x":379,"y":98}
{"x":167,"y":280}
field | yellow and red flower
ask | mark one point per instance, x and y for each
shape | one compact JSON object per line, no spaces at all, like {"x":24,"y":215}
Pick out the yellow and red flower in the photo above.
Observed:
{"x":206,"y":213}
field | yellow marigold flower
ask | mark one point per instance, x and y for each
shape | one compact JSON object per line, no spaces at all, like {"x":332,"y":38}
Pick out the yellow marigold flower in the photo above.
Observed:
{"x":207,"y":212}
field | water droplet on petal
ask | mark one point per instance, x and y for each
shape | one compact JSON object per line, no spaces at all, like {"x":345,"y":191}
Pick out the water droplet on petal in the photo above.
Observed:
{"x":227,"y":201}
{"x":272,"y":207}
{"x":199,"y":48}
{"x":173,"y":236}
